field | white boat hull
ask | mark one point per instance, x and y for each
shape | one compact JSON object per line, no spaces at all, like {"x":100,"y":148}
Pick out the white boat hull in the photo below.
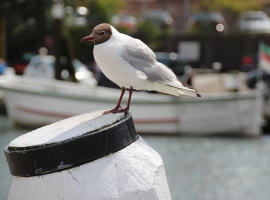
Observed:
{"x":46,"y":102}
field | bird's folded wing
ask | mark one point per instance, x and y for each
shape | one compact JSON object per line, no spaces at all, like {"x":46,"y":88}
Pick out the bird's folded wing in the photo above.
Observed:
{"x":178,"y":84}
{"x":136,"y":48}
{"x":181,"y":87}
{"x":143,"y":59}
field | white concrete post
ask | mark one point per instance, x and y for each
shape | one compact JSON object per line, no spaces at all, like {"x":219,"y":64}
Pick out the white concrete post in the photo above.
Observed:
{"x":46,"y":164}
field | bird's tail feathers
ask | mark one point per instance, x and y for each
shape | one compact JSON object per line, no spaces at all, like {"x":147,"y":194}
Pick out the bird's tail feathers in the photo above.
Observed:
{"x":174,"y":91}
{"x":190,"y":93}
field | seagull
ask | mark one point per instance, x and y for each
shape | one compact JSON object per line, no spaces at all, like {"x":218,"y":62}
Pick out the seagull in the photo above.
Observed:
{"x":130,"y":63}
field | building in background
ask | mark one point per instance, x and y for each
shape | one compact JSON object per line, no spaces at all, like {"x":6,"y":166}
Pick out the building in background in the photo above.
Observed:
{"x":179,"y":9}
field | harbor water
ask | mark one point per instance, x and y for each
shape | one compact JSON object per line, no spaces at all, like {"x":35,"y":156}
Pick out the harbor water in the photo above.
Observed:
{"x":203,"y":168}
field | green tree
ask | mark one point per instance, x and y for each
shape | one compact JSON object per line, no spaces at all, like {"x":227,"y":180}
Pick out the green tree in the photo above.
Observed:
{"x":233,"y":5}
{"x":153,"y":35}
{"x":28,"y":21}
{"x":229,"y":8}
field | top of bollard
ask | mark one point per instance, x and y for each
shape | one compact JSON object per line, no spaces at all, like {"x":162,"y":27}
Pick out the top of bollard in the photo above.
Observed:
{"x":69,"y":143}
{"x":66,"y":129}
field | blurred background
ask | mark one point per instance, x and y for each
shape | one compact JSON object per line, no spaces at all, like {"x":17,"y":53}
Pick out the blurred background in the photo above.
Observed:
{"x":215,"y":147}
{"x":224,"y":31}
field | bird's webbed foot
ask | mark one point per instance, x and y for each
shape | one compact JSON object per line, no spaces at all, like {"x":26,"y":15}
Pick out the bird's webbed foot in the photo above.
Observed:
{"x":116,"y":110}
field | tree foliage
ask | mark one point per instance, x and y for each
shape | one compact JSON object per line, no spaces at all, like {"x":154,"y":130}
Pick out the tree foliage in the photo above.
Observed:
{"x":153,"y":35}
{"x":233,"y":5}
{"x":29,"y":21}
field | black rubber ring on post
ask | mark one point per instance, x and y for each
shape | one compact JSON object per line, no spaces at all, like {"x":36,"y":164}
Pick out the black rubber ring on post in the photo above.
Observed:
{"x":72,"y":152}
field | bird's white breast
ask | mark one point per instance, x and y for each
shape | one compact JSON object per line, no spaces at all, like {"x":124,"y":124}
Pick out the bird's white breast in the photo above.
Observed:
{"x":109,"y":59}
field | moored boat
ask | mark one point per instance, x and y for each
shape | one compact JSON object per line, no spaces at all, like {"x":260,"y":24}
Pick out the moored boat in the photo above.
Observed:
{"x":37,"y":102}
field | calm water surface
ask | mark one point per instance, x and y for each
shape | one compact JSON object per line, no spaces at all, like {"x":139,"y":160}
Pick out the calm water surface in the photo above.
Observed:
{"x":208,"y":168}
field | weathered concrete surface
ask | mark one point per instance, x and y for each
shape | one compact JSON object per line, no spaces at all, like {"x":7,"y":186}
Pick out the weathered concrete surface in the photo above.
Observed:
{"x":135,"y":172}
{"x":66,"y":129}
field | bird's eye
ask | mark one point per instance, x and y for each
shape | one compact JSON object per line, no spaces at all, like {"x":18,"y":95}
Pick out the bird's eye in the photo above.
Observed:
{"x":102,"y":32}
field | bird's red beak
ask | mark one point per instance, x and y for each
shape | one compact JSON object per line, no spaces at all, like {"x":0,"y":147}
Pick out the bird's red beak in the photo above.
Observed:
{"x":87,"y":38}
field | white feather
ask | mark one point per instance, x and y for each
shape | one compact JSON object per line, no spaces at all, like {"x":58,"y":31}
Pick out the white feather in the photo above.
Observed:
{"x":129,"y":67}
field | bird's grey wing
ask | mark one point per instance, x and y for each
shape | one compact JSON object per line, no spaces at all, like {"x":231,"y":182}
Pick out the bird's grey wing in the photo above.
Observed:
{"x":143,"y":59}
{"x":138,"y":49}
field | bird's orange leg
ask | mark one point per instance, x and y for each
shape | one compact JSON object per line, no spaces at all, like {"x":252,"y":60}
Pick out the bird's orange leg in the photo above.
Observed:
{"x":129,"y":98}
{"x":116,"y":109}
{"x":118,"y":103}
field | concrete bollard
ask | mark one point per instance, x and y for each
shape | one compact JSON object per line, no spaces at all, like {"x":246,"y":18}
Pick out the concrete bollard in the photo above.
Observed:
{"x":86,"y":157}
